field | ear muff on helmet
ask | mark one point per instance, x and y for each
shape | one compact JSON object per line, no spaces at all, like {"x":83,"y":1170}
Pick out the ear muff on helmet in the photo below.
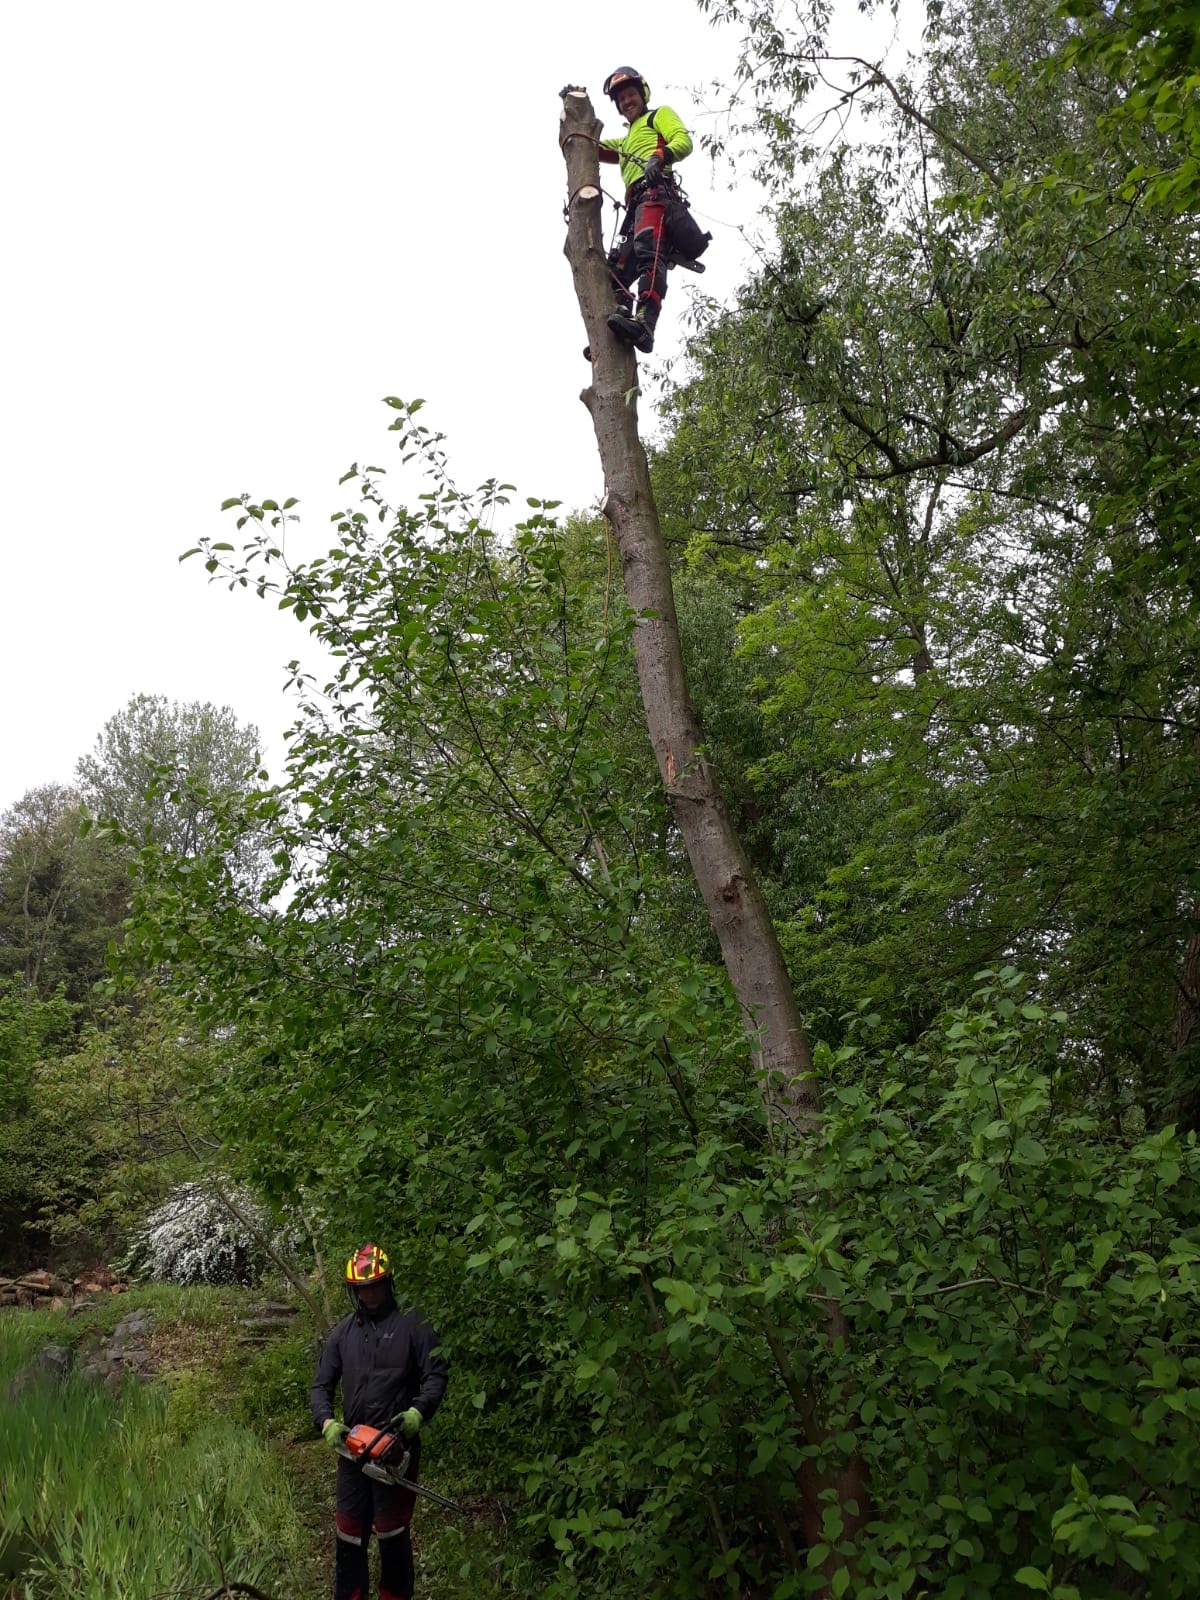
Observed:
{"x":368,"y":1265}
{"x":620,"y":76}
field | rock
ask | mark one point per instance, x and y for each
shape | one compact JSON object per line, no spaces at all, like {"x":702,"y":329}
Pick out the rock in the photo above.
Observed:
{"x":130,"y":1330}
{"x":124,"y":1352}
{"x":51,"y":1365}
{"x":273,"y":1308}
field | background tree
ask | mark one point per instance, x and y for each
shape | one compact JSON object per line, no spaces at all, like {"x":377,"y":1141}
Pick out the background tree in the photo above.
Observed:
{"x":942,"y":446}
{"x":160,"y":772}
{"x":62,"y":896}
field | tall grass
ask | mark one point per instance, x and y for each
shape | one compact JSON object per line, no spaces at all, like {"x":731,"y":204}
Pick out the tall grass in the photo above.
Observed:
{"x":99,"y":1500}
{"x":23,"y":1334}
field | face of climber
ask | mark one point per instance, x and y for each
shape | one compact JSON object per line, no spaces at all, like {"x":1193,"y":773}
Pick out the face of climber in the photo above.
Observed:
{"x":629,"y":102}
{"x":371,"y":1295}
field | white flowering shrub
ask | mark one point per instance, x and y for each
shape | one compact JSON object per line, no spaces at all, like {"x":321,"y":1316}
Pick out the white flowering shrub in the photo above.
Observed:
{"x":193,"y":1238}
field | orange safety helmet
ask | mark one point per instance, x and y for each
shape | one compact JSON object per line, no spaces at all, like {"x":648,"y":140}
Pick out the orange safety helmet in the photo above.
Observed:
{"x":367,"y":1265}
{"x":620,"y":76}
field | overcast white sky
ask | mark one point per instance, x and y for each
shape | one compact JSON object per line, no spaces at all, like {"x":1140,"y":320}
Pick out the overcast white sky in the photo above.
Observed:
{"x":229,"y":231}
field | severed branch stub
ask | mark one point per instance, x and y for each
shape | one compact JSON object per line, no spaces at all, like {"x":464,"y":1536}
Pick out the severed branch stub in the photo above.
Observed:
{"x":739,"y":915}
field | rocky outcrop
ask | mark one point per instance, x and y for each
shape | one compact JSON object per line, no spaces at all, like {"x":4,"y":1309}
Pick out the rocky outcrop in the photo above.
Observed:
{"x":124,"y":1354}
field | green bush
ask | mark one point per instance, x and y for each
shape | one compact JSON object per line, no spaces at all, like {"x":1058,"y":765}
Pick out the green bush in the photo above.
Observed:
{"x":274,"y":1383}
{"x":1020,"y":1281}
{"x":193,"y":1397}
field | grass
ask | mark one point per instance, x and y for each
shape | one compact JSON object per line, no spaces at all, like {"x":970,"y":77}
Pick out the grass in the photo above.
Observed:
{"x":98,"y":1499}
{"x":163,"y":1488}
{"x":213,"y":1469}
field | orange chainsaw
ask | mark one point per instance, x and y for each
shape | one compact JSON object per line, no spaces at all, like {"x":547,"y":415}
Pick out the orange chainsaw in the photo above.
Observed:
{"x":381,"y":1453}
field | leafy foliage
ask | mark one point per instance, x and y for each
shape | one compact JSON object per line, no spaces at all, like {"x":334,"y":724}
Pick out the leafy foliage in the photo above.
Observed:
{"x":162,"y":771}
{"x":943,"y":448}
{"x":467,"y":1032}
{"x":91,"y":1137}
{"x":62,"y":896}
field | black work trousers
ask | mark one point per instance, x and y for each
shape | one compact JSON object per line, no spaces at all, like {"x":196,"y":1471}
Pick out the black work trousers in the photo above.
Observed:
{"x":364,"y":1504}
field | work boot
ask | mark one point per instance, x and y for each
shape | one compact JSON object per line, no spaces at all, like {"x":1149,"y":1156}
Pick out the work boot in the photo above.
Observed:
{"x":632,"y":330}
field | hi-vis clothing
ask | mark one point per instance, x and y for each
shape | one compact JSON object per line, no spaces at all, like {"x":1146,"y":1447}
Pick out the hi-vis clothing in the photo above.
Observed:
{"x":640,"y":141}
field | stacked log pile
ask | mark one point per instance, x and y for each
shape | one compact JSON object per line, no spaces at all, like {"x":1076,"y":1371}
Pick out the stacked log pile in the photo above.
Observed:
{"x":42,"y":1290}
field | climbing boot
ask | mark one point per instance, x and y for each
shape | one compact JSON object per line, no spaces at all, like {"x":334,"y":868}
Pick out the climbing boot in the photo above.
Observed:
{"x":632,"y":330}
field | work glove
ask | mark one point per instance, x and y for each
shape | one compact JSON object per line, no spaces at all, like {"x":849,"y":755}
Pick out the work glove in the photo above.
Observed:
{"x":410,"y":1422}
{"x":334,"y":1432}
{"x":654,"y":168}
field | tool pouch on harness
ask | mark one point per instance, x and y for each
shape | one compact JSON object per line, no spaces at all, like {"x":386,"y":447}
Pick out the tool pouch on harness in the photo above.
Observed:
{"x":684,"y":233}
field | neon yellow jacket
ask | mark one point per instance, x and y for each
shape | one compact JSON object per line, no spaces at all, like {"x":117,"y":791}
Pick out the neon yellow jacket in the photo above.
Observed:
{"x":640,"y":141}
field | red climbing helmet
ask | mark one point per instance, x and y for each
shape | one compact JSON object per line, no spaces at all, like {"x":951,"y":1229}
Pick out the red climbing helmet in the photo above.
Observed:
{"x":368,"y":1265}
{"x":620,"y":76}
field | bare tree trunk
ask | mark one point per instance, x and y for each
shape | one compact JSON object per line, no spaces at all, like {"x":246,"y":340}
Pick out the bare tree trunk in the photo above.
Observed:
{"x":1185,"y":1027}
{"x":1185,"y":1019}
{"x":1185,"y":1022}
{"x":749,"y":944}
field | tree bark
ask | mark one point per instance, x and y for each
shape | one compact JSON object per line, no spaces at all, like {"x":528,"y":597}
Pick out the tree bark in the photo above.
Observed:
{"x":1185,"y":1027}
{"x":749,"y":945}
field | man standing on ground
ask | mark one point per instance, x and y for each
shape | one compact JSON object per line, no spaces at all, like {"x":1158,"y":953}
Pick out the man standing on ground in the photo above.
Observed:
{"x":389,"y":1367}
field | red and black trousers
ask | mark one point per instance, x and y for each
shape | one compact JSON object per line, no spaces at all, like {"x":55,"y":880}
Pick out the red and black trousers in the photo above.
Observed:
{"x":365,"y":1505}
{"x":640,"y":251}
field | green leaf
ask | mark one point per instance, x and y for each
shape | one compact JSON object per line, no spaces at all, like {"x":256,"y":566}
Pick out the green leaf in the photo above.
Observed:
{"x":599,"y":1227}
{"x":683,"y":1294}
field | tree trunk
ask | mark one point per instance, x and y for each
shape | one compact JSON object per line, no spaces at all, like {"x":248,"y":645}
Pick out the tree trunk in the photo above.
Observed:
{"x":749,"y":945}
{"x":1185,"y":1028}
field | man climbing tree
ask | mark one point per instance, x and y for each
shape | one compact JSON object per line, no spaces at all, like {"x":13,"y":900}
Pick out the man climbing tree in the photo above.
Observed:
{"x":653,"y":142}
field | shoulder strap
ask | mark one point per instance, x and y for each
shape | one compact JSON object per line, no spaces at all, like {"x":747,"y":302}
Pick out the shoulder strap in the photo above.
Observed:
{"x":662,"y":143}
